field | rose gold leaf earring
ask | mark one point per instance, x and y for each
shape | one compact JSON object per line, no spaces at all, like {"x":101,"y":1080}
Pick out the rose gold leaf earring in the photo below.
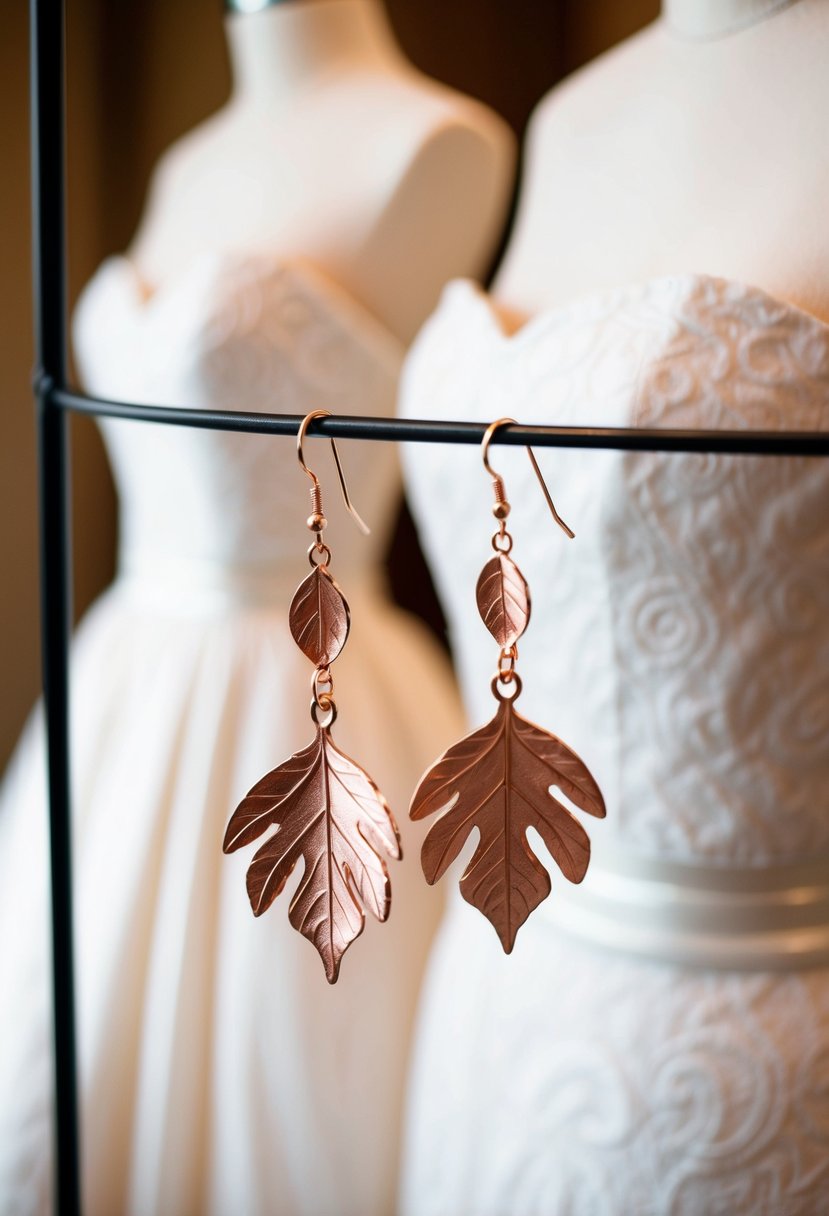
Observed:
{"x":327,"y":811}
{"x":500,"y":778}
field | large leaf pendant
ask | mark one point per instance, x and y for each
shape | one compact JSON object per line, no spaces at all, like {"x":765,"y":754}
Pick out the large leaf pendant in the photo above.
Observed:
{"x":330,"y":815}
{"x":327,"y":811}
{"x":499,"y":780}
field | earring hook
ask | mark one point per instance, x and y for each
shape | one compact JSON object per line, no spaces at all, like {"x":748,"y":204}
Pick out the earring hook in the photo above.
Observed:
{"x":498,"y":482}
{"x":316,"y":490}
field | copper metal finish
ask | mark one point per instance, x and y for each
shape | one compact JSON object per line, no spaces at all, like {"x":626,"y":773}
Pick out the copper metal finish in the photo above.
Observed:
{"x":506,"y":665}
{"x":501,"y":509}
{"x":503,"y":599}
{"x":316,"y":500}
{"x":498,"y":780}
{"x":318,"y":553}
{"x":497,"y":481}
{"x":316,"y":492}
{"x":566,"y":529}
{"x":327,"y":811}
{"x":329,"y":814}
{"x":319,"y":617}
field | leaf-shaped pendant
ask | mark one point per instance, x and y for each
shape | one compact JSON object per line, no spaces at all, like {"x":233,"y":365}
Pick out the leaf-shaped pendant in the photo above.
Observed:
{"x":319,"y":617}
{"x":331,"y":815}
{"x":503,"y":599}
{"x":498,"y":779}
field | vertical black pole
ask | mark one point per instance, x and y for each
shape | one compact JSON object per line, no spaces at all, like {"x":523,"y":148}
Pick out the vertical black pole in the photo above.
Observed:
{"x":48,"y":216}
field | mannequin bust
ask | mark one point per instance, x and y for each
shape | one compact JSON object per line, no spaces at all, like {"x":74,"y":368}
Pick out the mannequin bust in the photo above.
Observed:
{"x":698,"y":145}
{"x":332,"y":147}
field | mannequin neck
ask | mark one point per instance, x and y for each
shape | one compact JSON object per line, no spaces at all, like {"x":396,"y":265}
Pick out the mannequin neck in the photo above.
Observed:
{"x":716,"y":18}
{"x":286,"y":48}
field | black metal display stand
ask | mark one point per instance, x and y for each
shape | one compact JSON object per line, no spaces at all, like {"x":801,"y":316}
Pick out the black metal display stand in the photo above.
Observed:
{"x":55,"y":397}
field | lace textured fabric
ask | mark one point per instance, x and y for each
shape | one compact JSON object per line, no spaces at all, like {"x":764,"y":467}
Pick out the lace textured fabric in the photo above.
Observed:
{"x":658,"y":1042}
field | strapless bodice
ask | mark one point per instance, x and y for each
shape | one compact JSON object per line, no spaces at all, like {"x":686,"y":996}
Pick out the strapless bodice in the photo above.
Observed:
{"x":681,"y":642}
{"x":245,"y":332}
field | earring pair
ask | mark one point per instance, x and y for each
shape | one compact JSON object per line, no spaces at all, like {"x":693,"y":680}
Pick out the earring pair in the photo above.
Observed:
{"x":330,"y":813}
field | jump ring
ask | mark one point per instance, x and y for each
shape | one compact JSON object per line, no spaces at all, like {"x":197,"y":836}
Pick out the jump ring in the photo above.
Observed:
{"x":515,"y":683}
{"x":330,"y":709}
{"x":319,"y":547}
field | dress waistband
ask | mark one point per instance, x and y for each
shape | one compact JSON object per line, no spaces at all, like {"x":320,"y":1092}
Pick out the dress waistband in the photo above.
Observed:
{"x":770,"y":918}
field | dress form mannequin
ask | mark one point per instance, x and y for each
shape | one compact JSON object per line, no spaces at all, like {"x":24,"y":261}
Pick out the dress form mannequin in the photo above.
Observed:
{"x":697,"y":145}
{"x":333,"y":147}
{"x":635,"y":1053}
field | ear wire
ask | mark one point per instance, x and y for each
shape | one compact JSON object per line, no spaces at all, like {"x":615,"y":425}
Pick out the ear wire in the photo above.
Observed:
{"x":502,"y":507}
{"x":316,"y":489}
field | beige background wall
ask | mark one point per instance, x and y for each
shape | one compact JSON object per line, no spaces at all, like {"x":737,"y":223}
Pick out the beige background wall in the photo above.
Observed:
{"x":140,"y":73}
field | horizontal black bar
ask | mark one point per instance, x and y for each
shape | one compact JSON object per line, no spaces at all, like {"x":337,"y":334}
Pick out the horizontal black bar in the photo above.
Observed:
{"x":407,"y":430}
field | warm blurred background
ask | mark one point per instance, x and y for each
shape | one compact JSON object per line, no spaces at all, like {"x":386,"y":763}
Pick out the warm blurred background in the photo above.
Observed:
{"x":140,"y":73}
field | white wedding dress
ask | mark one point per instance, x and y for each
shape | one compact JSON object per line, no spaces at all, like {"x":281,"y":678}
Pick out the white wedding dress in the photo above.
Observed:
{"x":658,"y":1042}
{"x":220,"y":1073}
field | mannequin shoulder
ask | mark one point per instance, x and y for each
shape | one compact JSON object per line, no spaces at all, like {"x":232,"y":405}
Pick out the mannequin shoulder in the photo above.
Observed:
{"x":594,"y":99}
{"x":653,"y":75}
{"x":386,"y":115}
{"x":181,"y":169}
{"x":451,"y":141}
{"x":422,"y":131}
{"x":432,"y":108}
{"x":445,"y":206}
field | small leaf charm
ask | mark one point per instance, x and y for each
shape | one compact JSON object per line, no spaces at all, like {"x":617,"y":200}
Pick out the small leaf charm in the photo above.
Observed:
{"x":498,"y":779}
{"x":330,"y":814}
{"x":503,"y":599}
{"x":319,"y":617}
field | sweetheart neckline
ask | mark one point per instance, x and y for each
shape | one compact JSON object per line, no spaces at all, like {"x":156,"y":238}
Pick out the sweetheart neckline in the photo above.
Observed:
{"x":495,"y":313}
{"x":149,"y":300}
{"x":148,"y":295}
